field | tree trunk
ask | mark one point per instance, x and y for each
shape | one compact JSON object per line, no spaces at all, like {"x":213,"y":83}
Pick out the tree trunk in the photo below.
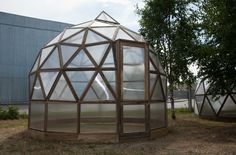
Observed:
{"x":172,"y":104}
{"x":190,"y":107}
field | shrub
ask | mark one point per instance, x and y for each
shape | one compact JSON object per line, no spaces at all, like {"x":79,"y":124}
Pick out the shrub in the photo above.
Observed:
{"x":10,"y":113}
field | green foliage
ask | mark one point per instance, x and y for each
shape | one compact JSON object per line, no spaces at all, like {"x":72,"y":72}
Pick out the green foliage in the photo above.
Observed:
{"x":217,"y":50}
{"x":168,"y":26}
{"x":9,"y":113}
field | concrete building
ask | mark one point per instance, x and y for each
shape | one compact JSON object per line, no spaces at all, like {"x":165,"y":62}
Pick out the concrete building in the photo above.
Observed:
{"x":20,"y":41}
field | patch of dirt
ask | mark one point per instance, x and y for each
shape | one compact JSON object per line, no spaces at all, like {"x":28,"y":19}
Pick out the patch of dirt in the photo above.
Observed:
{"x":187,"y":135}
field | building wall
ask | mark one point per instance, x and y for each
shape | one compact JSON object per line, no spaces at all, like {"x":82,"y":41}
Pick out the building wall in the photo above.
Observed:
{"x":20,"y":41}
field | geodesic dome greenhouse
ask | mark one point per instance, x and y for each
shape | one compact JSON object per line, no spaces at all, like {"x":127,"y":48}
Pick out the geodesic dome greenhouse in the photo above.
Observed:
{"x":97,"y":80}
{"x":219,"y":106}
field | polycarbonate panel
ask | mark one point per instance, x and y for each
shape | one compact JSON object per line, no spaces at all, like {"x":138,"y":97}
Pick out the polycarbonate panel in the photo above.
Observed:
{"x":37,"y":92}
{"x":32,"y":80}
{"x":158,"y":93}
{"x":229,"y":108}
{"x":48,"y":78}
{"x":133,"y":73}
{"x":151,"y":67}
{"x":100,"y":24}
{"x":216,"y":102}
{"x":85,"y":24}
{"x":76,"y":39}
{"x":35,"y":67}
{"x":164,"y":85}
{"x":105,"y":17}
{"x":153,"y":78}
{"x":62,"y":91}
{"x":62,"y":117}
{"x":122,"y":35}
{"x":37,"y":115}
{"x":44,"y":54}
{"x":52,"y":61}
{"x":135,"y":35}
{"x":98,"y":91}
{"x":97,"y":52}
{"x":55,"y":40}
{"x":157,"y":115}
{"x":67,"y":52}
{"x":106,"y":31}
{"x":207,"y":85}
{"x":93,"y":38}
{"x":111,"y":78}
{"x":206,"y":109}
{"x":133,"y":118}
{"x":200,"y":89}
{"x":109,"y":61}
{"x":79,"y":80}
{"x":97,"y":118}
{"x":69,"y":32}
{"x":81,"y":60}
{"x":199,"y":101}
{"x":154,"y":58}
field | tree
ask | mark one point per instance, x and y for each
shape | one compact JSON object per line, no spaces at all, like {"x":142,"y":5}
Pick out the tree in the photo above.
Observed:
{"x":217,"y":52}
{"x":168,"y":26}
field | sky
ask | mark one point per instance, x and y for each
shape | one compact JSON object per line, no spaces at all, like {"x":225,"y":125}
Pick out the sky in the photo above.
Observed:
{"x":75,"y":11}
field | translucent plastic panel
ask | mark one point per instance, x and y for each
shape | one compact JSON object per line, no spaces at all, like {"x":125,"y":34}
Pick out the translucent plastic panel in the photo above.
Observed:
{"x":206,"y":109}
{"x":122,"y":35}
{"x":105,"y":17}
{"x":158,"y":93}
{"x":85,"y":24}
{"x":100,"y":24}
{"x":151,"y":67}
{"x":37,"y":92}
{"x":216,"y":102}
{"x":48,"y":78}
{"x":35,"y":67}
{"x":69,"y":32}
{"x":111,"y":78}
{"x":207,"y":85}
{"x":157,"y":115}
{"x":32,"y":80}
{"x":133,"y":73}
{"x":98,"y":90}
{"x":79,"y":80}
{"x":106,"y":31}
{"x":199,"y":101}
{"x":81,"y":61}
{"x":52,"y":61}
{"x":137,"y":36}
{"x":37,"y":115}
{"x":98,"y":118}
{"x":67,"y":52}
{"x":229,"y":108}
{"x":164,"y":84}
{"x":133,"y":118}
{"x":159,"y":66}
{"x":45,"y":52}
{"x":77,"y":39}
{"x":196,"y":111}
{"x":200,"y":89}
{"x":109,"y":61}
{"x":55,"y":40}
{"x":62,"y":91}
{"x":62,"y":117}
{"x":153,"y":78}
{"x":97,"y":52}
{"x":93,"y":38}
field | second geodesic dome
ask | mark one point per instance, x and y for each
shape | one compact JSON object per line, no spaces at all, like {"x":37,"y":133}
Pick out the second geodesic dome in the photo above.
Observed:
{"x":220,"y":106}
{"x":99,"y":78}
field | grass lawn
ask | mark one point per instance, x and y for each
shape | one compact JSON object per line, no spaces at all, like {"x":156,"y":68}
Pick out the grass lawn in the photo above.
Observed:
{"x":187,"y":135}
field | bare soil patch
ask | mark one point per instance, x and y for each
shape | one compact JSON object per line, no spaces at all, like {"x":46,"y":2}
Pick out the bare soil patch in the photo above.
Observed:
{"x":187,"y":135}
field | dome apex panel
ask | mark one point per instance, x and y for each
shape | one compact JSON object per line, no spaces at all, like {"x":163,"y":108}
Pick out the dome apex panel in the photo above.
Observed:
{"x":95,"y":78}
